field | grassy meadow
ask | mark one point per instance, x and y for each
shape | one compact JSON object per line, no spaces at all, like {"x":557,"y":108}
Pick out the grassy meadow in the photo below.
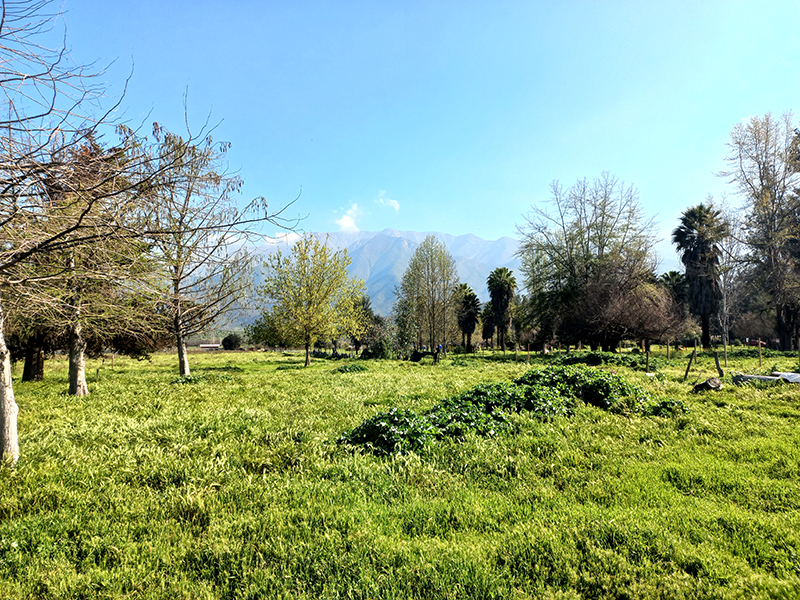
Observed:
{"x":232,"y":485}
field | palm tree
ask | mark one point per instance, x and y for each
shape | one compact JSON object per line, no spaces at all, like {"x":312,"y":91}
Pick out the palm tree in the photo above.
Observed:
{"x":697,"y":240}
{"x":501,"y":284}
{"x":468,"y":313}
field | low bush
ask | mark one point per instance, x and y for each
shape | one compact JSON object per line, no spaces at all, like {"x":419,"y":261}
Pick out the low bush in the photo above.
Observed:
{"x":594,"y":386}
{"x":665,"y":408}
{"x":351,"y":368}
{"x":635,"y":360}
{"x":458,"y":415}
{"x":395,"y":431}
{"x":188,"y":379}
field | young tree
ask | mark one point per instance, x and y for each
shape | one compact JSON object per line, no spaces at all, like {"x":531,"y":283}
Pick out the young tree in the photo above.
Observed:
{"x":764,"y":164}
{"x":697,"y":240}
{"x":311,"y":295}
{"x":426,"y":291}
{"x":501,"y":284}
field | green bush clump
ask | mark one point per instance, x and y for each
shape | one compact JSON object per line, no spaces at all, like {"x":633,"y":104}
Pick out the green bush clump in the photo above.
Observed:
{"x":184,"y":379}
{"x":350,"y":368}
{"x":395,"y":431}
{"x":457,"y":416}
{"x":665,"y":408}
{"x":481,"y":410}
{"x":546,"y":403}
{"x":594,"y":386}
{"x":595,"y":359}
{"x":752,"y":352}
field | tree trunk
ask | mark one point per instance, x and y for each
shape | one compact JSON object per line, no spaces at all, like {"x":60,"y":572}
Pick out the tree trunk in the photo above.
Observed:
{"x":180,"y":332}
{"x":308,"y":352}
{"x":9,"y":440}
{"x":34,"y":359}
{"x":77,"y":362}
{"x":785,"y":325}
{"x":183,"y":356}
{"x":705,"y":336}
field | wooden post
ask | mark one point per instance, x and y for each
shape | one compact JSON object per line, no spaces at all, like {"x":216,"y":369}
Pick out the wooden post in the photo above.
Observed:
{"x":759,"y":353}
{"x":692,"y":356}
{"x":725,"y":347}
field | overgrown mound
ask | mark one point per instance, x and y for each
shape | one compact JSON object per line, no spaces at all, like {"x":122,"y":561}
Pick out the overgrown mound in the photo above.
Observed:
{"x":594,"y":386}
{"x":544,"y":394}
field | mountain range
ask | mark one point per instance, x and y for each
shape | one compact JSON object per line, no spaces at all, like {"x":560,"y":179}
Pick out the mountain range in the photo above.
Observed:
{"x":380,"y":259}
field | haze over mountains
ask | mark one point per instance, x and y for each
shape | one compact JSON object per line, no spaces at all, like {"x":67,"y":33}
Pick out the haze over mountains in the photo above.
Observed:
{"x":380,"y":259}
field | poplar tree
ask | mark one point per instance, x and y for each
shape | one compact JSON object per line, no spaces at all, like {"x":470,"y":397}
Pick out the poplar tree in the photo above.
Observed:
{"x":309,"y":294}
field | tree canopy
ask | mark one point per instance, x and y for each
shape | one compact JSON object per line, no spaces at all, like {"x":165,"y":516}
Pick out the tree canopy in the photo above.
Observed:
{"x":309,"y":294}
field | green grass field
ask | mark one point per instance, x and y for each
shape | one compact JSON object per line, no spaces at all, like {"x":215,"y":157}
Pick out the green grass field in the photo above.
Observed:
{"x":233,"y":486}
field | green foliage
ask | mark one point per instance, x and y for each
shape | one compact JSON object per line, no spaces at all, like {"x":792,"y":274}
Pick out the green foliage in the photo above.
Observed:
{"x":634,"y":361}
{"x":351,"y":368}
{"x":311,"y":293}
{"x":665,"y":408}
{"x":394,"y":431}
{"x":460,"y":415}
{"x":232,"y":341}
{"x":188,"y":379}
{"x":594,"y":386}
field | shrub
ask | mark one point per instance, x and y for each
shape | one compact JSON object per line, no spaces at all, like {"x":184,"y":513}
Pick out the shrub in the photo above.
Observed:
{"x":665,"y":408}
{"x":184,"y":379}
{"x":350,"y":368}
{"x":232,"y":341}
{"x":634,"y":360}
{"x":457,"y":416}
{"x":395,"y":431}
{"x":594,"y":386}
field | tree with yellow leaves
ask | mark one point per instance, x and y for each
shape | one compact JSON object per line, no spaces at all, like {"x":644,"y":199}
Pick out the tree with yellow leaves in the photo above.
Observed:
{"x":310,"y":295}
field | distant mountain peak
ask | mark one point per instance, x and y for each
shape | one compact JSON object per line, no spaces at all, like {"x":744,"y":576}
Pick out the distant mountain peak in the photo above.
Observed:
{"x":380,"y":259}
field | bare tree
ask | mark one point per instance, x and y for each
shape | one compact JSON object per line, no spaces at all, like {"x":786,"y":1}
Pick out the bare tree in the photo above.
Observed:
{"x":199,"y":233}
{"x":765,"y":168}
{"x":426,"y":292}
{"x":590,"y":250}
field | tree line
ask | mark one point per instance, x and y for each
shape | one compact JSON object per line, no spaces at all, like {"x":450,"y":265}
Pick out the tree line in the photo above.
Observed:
{"x":589,"y":272}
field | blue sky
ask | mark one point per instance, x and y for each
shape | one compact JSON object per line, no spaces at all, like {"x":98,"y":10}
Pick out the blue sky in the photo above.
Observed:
{"x":452,"y":116}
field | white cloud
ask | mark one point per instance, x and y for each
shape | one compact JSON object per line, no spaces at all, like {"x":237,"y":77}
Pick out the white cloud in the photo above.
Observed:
{"x":387,"y":202}
{"x":348,"y":221}
{"x":283,"y":237}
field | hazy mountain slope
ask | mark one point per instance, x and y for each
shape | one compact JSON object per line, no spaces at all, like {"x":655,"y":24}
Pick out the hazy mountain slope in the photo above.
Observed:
{"x":381,"y":259}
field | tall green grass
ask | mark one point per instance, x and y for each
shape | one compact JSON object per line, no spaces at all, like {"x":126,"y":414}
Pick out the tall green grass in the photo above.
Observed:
{"x":232,"y":485}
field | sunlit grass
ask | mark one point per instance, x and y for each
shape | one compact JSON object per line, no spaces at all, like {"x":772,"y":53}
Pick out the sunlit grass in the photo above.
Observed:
{"x":232,"y":486}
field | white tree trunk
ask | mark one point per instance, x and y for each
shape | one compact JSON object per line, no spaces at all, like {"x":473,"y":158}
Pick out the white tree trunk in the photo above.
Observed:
{"x":9,"y":439}
{"x":77,"y":362}
{"x":183,"y":357}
